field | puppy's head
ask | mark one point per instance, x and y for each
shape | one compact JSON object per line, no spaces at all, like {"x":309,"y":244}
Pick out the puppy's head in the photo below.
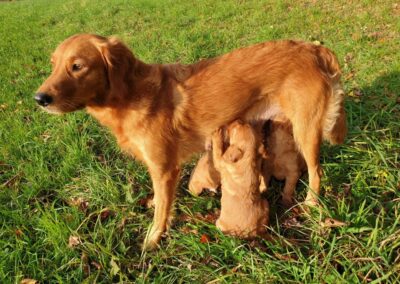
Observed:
{"x":242,"y":140}
{"x":85,"y":68}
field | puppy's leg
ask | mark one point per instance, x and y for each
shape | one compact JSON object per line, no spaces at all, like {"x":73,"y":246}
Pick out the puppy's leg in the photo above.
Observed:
{"x":288,"y":190}
{"x":309,"y":141}
{"x":265,"y":176}
{"x":164,"y":184}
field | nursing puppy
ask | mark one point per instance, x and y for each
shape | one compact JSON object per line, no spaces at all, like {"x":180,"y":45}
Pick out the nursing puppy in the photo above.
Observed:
{"x":161,"y":114}
{"x":284,"y":162}
{"x":236,"y":157}
{"x":204,"y":175}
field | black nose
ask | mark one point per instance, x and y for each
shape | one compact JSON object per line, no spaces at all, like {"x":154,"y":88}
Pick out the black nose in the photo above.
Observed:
{"x":43,"y":99}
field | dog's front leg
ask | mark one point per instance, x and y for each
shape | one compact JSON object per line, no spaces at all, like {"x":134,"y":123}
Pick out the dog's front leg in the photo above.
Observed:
{"x":164,"y":184}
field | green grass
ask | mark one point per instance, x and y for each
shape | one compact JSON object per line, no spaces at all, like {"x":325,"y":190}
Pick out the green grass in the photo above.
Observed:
{"x":47,"y":161}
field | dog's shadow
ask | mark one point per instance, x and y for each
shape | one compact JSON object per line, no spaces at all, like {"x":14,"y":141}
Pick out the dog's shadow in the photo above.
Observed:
{"x":373,"y":115}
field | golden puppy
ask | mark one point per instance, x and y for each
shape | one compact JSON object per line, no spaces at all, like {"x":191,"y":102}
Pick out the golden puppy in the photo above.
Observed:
{"x":243,"y":212}
{"x":204,"y":175}
{"x":162,"y":114}
{"x":284,"y":162}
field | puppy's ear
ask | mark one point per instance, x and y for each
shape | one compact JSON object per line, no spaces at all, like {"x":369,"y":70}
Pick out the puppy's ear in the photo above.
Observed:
{"x":262,"y":151}
{"x":119,"y":62}
{"x":233,"y":154}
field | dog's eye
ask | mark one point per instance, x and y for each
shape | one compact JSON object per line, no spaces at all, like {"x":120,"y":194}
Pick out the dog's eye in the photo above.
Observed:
{"x":76,"y":67}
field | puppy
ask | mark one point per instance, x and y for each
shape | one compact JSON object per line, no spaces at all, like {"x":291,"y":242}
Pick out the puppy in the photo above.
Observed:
{"x":243,"y":212}
{"x":204,"y":175}
{"x":161,"y":114}
{"x":284,"y":161}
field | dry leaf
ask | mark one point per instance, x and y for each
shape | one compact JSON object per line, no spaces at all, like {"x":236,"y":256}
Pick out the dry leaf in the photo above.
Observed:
{"x":285,"y":257}
{"x":79,"y":202}
{"x":85,"y":265}
{"x":18,"y":232}
{"x":147,"y":202}
{"x":349,"y":57}
{"x":332,"y":223}
{"x":105,"y":213}
{"x":355,"y":93}
{"x":74,"y":241}
{"x":204,"y":239}
{"x":29,"y":281}
{"x":96,"y":265}
{"x":346,"y":188}
{"x":114,"y":267}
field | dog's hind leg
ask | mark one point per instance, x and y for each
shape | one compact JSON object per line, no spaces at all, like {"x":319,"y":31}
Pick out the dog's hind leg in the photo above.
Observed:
{"x":309,"y":141}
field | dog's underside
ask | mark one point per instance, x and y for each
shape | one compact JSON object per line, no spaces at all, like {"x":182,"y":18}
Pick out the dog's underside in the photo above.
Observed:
{"x":162,"y":114}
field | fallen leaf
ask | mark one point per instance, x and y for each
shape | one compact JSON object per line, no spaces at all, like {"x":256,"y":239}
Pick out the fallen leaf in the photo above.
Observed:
{"x":105,"y":213}
{"x":236,"y":268}
{"x":114,"y":267}
{"x":79,"y":202}
{"x":346,"y":188}
{"x":291,"y":222}
{"x":189,"y":266}
{"x":121,"y":226}
{"x":85,"y":265}
{"x":332,"y":223}
{"x":96,"y":265}
{"x":147,"y":202}
{"x":73,"y":241}
{"x":18,"y":232}
{"x":204,"y":239}
{"x":28,"y":281}
{"x":349,"y":57}
{"x":188,"y":230}
{"x":285,"y":257}
{"x":355,"y":93}
{"x":374,"y":35}
{"x":350,"y":75}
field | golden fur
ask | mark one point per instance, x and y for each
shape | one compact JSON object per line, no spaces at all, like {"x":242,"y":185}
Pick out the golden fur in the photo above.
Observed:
{"x":284,"y":162}
{"x":162,"y":114}
{"x":204,"y":175}
{"x":243,"y":212}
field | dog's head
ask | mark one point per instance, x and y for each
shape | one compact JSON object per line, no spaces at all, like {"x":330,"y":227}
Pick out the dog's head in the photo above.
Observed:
{"x":85,"y":68}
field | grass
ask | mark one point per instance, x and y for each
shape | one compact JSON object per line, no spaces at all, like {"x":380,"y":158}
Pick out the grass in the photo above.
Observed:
{"x":64,"y":176}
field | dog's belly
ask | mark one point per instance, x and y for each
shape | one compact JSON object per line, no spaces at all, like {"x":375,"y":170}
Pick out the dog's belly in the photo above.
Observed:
{"x":262,"y":112}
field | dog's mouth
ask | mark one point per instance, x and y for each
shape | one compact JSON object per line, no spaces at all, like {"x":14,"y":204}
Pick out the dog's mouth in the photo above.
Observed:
{"x":66,"y":107}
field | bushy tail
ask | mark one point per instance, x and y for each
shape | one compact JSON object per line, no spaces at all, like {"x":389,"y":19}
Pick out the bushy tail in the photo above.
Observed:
{"x":335,"y":126}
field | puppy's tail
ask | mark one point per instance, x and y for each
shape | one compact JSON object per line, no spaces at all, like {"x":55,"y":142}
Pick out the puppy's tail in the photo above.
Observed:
{"x":334,"y":127}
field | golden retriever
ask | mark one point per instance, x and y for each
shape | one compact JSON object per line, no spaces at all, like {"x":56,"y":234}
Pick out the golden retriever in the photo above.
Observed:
{"x":236,"y":157}
{"x":162,"y":114}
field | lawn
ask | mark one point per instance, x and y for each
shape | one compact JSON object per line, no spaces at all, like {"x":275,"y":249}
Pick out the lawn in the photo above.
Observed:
{"x":72,"y":205}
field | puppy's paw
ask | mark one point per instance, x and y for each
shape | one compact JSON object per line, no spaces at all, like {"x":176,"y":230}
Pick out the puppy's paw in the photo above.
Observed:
{"x":287,"y":202}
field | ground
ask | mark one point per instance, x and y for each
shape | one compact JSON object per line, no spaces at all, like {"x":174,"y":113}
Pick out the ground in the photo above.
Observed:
{"x":72,"y":206}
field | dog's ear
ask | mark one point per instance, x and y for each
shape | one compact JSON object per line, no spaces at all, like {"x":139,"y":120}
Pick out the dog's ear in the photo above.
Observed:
{"x":233,"y":154}
{"x":119,"y":62}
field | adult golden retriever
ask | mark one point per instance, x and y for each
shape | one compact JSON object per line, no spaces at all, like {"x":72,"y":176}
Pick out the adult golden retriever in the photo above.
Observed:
{"x":162,"y":114}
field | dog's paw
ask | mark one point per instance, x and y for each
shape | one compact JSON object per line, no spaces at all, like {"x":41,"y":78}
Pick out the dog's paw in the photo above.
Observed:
{"x":152,"y":239}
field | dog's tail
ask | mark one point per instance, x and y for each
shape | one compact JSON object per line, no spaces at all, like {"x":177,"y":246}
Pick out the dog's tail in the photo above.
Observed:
{"x":334,"y":126}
